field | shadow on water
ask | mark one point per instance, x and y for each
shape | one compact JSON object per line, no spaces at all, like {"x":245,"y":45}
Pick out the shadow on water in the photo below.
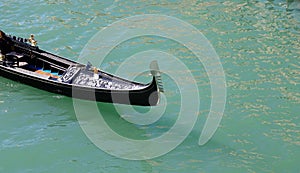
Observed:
{"x":25,"y":100}
{"x":34,"y":104}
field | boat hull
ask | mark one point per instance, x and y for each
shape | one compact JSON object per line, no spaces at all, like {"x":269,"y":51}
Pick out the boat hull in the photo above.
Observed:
{"x":32,"y":66}
{"x":145,"y":97}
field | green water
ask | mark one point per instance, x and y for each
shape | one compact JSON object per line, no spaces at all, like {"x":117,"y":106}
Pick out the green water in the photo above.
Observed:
{"x":258,"y":44}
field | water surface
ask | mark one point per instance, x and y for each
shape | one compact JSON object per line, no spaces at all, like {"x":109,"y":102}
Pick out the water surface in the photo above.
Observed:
{"x":258,"y":44}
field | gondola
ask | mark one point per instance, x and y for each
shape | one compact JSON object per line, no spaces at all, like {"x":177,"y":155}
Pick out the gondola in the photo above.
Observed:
{"x":21,"y":60}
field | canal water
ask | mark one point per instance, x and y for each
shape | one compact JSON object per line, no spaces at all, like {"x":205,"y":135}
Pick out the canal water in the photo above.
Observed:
{"x":258,"y":45}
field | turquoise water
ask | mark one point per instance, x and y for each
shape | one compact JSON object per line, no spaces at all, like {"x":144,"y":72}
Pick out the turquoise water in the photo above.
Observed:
{"x":258,"y":44}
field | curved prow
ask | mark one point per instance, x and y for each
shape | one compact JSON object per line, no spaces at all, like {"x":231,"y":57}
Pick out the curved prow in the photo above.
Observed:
{"x":2,"y":34}
{"x":5,"y":46}
{"x":156,"y":73}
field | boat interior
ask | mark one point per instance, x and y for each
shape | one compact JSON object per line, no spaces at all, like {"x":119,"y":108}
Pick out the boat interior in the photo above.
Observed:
{"x":34,"y":61}
{"x":38,"y":65}
{"x":49,"y":66}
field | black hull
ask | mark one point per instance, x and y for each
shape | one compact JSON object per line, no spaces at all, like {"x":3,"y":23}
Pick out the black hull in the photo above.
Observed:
{"x":137,"y":94}
{"x":110,"y":96}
